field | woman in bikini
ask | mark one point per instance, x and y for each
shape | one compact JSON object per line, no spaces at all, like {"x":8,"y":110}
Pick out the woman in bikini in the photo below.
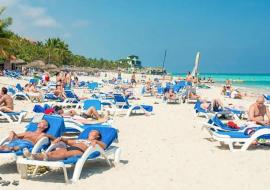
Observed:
{"x":74,"y":148}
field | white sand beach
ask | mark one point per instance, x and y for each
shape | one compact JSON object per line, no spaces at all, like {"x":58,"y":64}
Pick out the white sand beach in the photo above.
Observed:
{"x":167,"y":150}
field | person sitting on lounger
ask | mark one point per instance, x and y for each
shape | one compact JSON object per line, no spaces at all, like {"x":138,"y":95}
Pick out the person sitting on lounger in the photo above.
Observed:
{"x":34,"y":93}
{"x":26,"y":139}
{"x":170,"y":95}
{"x":236,"y":94}
{"x":6,"y":101}
{"x":74,"y":148}
{"x":193,"y":96}
{"x":59,"y":92}
{"x":216,"y":105}
{"x":258,"y":111}
{"x":148,"y":87}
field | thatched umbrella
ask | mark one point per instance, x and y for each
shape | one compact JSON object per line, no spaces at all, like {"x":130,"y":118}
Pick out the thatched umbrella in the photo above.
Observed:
{"x":36,"y":64}
{"x":49,"y":67}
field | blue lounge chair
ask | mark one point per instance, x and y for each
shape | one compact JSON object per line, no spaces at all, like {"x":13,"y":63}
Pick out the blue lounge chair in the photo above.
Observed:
{"x":210,"y":114}
{"x":242,"y":139}
{"x":215,"y":124}
{"x":56,"y":129}
{"x":123,"y":106}
{"x":13,"y":117}
{"x":267,"y":98}
{"x":109,"y":135}
{"x":19,"y":93}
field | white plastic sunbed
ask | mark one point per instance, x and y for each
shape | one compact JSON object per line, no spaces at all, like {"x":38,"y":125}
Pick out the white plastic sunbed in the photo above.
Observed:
{"x":56,"y":127}
{"x":240,"y":138}
{"x":108,"y":136}
{"x":13,"y":117}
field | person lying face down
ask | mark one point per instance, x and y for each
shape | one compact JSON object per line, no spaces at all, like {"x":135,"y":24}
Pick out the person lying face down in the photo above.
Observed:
{"x":74,"y":148}
{"x":26,"y":139}
{"x":258,"y":111}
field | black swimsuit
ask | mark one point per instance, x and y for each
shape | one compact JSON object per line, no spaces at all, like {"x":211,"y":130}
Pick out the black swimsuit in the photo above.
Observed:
{"x":70,"y":148}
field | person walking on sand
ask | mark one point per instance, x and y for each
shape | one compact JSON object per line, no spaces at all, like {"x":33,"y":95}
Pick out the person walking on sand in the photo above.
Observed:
{"x":133,"y":79}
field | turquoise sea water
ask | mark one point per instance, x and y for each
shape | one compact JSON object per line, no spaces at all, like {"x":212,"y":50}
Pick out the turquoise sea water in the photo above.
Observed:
{"x":247,"y":80}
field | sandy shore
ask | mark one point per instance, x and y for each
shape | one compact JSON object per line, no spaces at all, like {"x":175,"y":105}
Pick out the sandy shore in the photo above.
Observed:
{"x":167,"y":150}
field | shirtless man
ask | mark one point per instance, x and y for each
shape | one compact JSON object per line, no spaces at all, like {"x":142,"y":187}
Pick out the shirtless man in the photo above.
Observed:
{"x":6,"y":101}
{"x":258,"y":111}
{"x":59,"y":92}
{"x":26,"y":139}
{"x":189,"y":78}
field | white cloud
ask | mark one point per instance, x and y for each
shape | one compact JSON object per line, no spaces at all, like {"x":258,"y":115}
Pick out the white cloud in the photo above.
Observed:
{"x":47,"y":22}
{"x":32,"y":12}
{"x":8,"y":3}
{"x":38,"y":16}
{"x":80,"y":23}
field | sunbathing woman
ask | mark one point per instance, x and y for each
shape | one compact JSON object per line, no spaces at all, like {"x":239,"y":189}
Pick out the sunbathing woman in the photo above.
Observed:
{"x":74,"y":148}
{"x":86,"y":117}
{"x":34,"y":93}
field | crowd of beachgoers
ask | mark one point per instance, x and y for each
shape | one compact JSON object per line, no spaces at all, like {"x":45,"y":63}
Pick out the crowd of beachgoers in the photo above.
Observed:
{"x":67,"y":120}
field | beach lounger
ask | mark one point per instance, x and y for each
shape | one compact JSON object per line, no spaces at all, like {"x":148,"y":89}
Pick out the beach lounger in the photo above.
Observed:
{"x":200,"y":112}
{"x":145,"y":93}
{"x":13,"y":117}
{"x":92,"y":86}
{"x":242,"y":139}
{"x":20,"y":94}
{"x":124,"y":108}
{"x":72,"y":99}
{"x":267,"y":99}
{"x":109,"y":135}
{"x":215,"y":124}
{"x":56,"y":129}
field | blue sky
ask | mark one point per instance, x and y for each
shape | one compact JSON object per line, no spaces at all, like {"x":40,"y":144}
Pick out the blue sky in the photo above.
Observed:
{"x":232,"y":35}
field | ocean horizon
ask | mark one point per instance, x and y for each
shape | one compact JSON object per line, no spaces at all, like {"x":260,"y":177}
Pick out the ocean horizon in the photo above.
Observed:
{"x":254,"y":80}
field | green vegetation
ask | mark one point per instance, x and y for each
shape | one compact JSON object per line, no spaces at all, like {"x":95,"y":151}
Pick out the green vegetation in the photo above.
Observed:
{"x":51,"y":51}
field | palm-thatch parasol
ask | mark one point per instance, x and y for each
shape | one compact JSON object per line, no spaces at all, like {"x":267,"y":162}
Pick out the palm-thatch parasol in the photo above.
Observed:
{"x":36,"y":64}
{"x":49,"y":67}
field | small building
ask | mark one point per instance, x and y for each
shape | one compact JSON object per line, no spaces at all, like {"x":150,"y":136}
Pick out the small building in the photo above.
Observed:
{"x":155,"y":70}
{"x":132,"y":61}
{"x":14,"y":64}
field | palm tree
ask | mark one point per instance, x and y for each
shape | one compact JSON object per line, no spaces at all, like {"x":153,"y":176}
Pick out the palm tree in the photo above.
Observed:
{"x":4,"y":34}
{"x":59,"y":47}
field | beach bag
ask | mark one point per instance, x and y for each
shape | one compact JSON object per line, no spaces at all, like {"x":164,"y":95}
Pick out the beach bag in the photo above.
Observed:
{"x":249,"y":131}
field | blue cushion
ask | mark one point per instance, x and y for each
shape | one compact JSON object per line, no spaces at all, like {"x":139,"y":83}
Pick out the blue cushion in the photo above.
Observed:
{"x":56,"y":125}
{"x":93,"y":85}
{"x":92,"y":103}
{"x":233,"y":134}
{"x":108,"y":134}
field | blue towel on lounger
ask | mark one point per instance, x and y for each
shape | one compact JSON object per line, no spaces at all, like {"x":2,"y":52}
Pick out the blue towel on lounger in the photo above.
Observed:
{"x":18,"y":143}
